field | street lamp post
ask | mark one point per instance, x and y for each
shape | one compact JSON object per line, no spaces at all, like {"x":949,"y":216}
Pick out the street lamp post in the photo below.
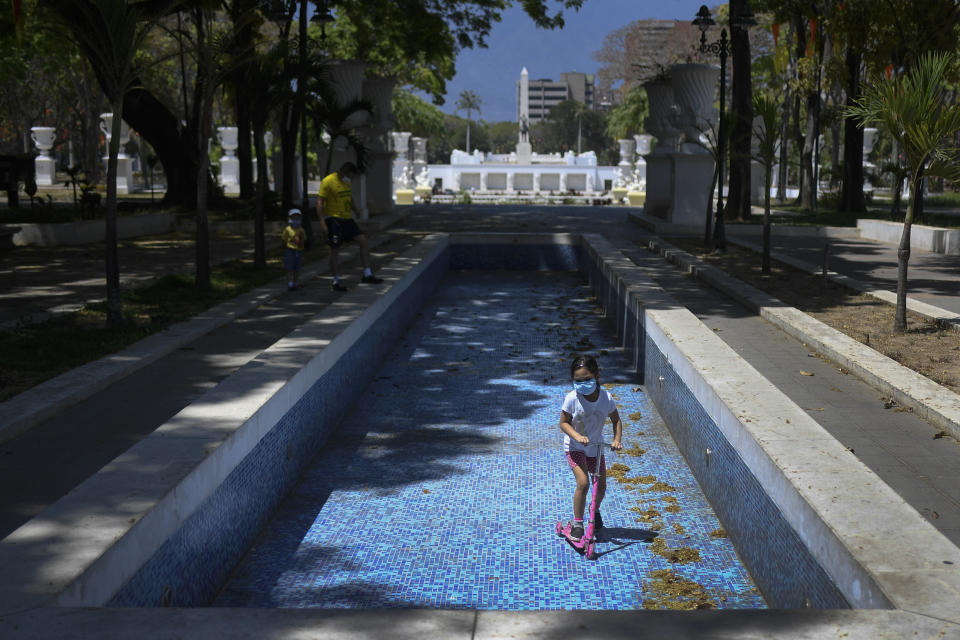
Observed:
{"x":719,"y":48}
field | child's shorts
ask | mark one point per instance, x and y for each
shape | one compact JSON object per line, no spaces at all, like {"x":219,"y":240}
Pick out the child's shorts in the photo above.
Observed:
{"x":579,"y":459}
{"x":292,"y":259}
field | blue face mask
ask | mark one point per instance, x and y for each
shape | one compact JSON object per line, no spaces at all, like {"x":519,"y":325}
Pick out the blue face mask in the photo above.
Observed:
{"x":294,"y":223}
{"x":586,"y":387}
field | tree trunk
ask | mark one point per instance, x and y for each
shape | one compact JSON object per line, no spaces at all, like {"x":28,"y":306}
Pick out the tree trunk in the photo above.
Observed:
{"x":741,"y":113}
{"x":288,"y":153}
{"x":244,"y":155}
{"x":174,"y":145}
{"x":851,"y":197}
{"x":768,"y":178}
{"x":259,"y":244}
{"x":708,"y":231}
{"x":202,"y":242}
{"x":808,"y":189}
{"x":903,"y":254}
{"x":112,"y":259}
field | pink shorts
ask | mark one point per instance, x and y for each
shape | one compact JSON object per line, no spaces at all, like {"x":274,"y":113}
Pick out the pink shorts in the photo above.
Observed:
{"x":579,"y":459}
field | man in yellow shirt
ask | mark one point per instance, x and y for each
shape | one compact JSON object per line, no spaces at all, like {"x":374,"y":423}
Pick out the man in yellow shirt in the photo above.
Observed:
{"x":335,"y":208}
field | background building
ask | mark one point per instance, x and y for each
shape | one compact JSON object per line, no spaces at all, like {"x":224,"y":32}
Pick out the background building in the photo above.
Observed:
{"x":544,"y":94}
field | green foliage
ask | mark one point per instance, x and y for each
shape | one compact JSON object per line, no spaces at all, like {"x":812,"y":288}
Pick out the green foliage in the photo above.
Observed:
{"x":767,"y":133}
{"x":913,"y":108}
{"x":412,"y":113}
{"x":627,"y":117}
{"x":558,"y":132}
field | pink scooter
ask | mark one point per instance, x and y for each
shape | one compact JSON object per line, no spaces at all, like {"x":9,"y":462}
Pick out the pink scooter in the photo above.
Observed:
{"x":587,"y":545}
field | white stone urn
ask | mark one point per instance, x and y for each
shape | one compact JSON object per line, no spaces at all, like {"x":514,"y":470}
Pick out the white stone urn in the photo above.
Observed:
{"x":661,"y":101}
{"x":644,"y":143}
{"x":228,"y":140}
{"x":625,"y":166}
{"x":43,"y":138}
{"x":106,"y":127}
{"x":694,"y":87}
{"x":402,"y":171}
{"x":346,"y":76}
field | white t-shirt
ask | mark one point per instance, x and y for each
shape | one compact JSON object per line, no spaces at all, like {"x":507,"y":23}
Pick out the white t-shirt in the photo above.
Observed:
{"x":588,"y":419}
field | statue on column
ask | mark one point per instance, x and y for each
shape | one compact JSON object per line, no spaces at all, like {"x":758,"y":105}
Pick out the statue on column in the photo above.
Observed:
{"x":524,"y":128}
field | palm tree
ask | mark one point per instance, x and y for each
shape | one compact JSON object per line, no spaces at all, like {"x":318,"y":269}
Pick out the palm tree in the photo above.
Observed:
{"x":469,"y":102}
{"x":913,"y":108}
{"x":767,"y":134}
{"x":110,"y":33}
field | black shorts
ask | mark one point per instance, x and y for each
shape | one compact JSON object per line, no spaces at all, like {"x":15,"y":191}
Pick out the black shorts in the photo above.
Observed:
{"x":341,"y":230}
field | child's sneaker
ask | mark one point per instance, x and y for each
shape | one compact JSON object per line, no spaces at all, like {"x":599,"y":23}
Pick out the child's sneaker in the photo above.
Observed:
{"x":576,"y":530}
{"x":371,"y":279}
{"x":336,"y":286}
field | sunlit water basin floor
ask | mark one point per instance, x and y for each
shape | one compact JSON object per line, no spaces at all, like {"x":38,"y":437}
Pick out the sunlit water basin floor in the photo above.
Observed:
{"x":442,"y":487}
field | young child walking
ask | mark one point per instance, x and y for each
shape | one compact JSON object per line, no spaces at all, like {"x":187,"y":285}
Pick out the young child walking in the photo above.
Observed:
{"x":585,"y":410}
{"x":293,"y":238}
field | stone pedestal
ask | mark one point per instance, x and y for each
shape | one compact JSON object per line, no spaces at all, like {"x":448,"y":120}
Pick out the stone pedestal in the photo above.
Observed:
{"x":524,"y":153}
{"x":46,"y":173}
{"x":423,"y":192}
{"x":405,"y":196}
{"x":690,"y":178}
{"x":619,"y":193}
{"x":636,"y":198}
{"x":378,"y":182}
{"x":658,"y":184}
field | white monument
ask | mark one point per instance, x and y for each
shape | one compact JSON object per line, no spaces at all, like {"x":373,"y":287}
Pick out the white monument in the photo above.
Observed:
{"x":524,"y":148}
{"x":44,"y":165}
{"x":124,"y":162}
{"x":229,"y":163}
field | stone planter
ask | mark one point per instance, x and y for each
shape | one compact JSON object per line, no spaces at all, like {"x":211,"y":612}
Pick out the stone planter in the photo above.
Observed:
{"x":625,"y":166}
{"x":662,"y":111}
{"x":346,"y":76}
{"x":694,"y":87}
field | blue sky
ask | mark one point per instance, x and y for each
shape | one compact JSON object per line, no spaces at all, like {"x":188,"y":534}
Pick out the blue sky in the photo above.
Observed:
{"x":515,"y":43}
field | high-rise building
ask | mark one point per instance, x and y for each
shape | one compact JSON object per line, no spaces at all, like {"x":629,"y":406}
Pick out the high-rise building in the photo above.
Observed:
{"x":545,"y":94}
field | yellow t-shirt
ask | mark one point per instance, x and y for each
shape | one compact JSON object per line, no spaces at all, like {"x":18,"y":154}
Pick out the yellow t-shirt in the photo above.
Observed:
{"x":337,"y":197}
{"x":294,"y":238}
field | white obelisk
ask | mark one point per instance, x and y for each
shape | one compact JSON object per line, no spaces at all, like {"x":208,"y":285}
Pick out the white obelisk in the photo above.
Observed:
{"x":524,"y":150}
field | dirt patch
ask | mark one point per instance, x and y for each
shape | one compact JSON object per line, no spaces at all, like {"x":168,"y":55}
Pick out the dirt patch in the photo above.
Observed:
{"x":926,"y":347}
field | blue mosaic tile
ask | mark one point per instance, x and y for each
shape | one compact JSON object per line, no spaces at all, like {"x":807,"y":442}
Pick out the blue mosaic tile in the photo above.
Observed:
{"x":442,"y":486}
{"x":193,"y":564}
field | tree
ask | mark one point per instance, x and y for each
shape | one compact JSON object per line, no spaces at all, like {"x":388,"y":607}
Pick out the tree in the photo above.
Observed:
{"x":913,"y":108}
{"x":214,"y":51}
{"x":111,"y":32}
{"x":626,"y":118}
{"x":767,"y":134}
{"x":468,"y":101}
{"x":741,"y":115}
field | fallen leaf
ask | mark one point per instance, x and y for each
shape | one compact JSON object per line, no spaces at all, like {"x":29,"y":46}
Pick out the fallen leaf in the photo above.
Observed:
{"x":806,"y":373}
{"x":939,"y":434}
{"x":935,"y":515}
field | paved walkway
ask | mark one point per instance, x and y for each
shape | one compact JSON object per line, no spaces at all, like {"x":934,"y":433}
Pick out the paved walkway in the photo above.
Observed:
{"x":933,"y":278}
{"x":44,"y":463}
